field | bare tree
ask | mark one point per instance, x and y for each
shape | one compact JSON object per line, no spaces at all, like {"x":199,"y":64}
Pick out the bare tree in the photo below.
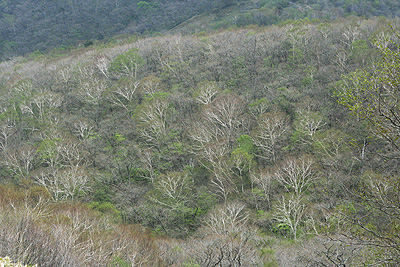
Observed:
{"x":125,"y":95}
{"x":259,"y":107}
{"x":61,"y":151}
{"x":146,"y":158}
{"x":92,"y":90}
{"x":102,"y":63}
{"x":150,"y":85}
{"x":218,"y":126}
{"x":67,"y":183}
{"x":341,"y":60}
{"x":152,"y":117}
{"x":222,"y":180}
{"x":296,"y":174}
{"x":271,"y":129}
{"x":228,"y":239}
{"x":20,"y":161}
{"x":290,"y":212}
{"x":202,"y":134}
{"x":83,"y":130}
{"x":231,"y":218}
{"x":264,"y":180}
{"x":308,"y":123}
{"x":379,"y":196}
{"x":324,"y":252}
{"x":226,"y":114}
{"x":6,"y":131}
{"x":216,"y":161}
{"x":174,"y":189}
{"x":64,"y":73}
{"x":42,"y":106}
{"x":350,"y":35}
{"x":206,"y":93}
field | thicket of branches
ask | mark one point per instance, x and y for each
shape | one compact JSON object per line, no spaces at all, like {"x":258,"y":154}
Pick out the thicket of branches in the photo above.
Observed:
{"x":234,"y":139}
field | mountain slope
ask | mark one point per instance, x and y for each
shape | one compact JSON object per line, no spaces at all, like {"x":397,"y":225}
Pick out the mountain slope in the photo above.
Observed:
{"x":27,"y":26}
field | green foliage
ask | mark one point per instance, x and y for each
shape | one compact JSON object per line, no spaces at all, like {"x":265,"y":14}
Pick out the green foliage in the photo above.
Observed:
{"x":6,"y":262}
{"x":101,"y":195}
{"x":47,"y":149}
{"x":119,"y":262}
{"x":281,"y":229}
{"x":373,"y":95}
{"x":37,"y":55}
{"x":139,"y":174}
{"x":205,"y":200}
{"x":157,"y":96}
{"x":160,"y":152}
{"x":127,"y":64}
{"x":246,"y":143}
{"x":145,"y":6}
{"x":191,"y":263}
{"x":241,"y":158}
{"x":296,"y":57}
{"x":116,"y":141}
{"x":105,"y":208}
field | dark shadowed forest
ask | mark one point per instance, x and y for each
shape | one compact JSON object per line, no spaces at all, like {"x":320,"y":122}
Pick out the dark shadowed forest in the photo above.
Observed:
{"x":43,"y":26}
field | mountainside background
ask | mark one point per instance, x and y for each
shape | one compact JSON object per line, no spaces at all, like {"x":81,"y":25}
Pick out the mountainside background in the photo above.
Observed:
{"x":28,"y":26}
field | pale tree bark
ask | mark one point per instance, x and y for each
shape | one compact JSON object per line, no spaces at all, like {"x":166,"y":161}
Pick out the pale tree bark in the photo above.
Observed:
{"x":20,"y":161}
{"x":290,"y":212}
{"x":67,"y":183}
{"x":147,"y":160}
{"x":6,"y":131}
{"x":350,"y":35}
{"x":308,"y":123}
{"x":264,"y":180}
{"x":102,"y":63}
{"x":296,"y":174}
{"x":206,"y":93}
{"x":92,"y":90}
{"x":227,"y":239}
{"x":152,"y":117}
{"x":216,"y":161}
{"x":42,"y":106}
{"x":271,"y":129}
{"x":125,"y":96}
{"x":150,"y":85}
{"x":226,"y":114}
{"x":83,"y":130}
{"x":173,"y":189}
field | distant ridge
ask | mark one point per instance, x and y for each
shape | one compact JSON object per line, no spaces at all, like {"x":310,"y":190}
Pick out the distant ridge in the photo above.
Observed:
{"x":28,"y":26}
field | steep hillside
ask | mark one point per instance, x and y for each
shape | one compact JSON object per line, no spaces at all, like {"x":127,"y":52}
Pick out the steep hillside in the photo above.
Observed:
{"x":28,"y":26}
{"x":236,"y":147}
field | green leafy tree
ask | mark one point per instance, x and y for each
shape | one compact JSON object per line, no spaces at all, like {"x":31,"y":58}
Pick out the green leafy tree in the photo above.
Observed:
{"x":145,"y":6}
{"x":242,"y":158}
{"x":127,"y":64}
{"x":373,"y":96}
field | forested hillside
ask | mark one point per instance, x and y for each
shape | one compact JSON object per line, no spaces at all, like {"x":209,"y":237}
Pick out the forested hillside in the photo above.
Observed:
{"x":41,"y":26}
{"x":258,"y":146}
